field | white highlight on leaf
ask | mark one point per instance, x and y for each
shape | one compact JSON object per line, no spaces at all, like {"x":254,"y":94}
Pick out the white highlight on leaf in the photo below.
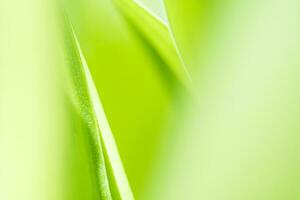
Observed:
{"x":155,"y":9}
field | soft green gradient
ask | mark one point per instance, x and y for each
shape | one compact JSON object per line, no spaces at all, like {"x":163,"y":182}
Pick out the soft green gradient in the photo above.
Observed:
{"x":240,"y":139}
{"x":31,"y":113}
{"x":149,"y":99}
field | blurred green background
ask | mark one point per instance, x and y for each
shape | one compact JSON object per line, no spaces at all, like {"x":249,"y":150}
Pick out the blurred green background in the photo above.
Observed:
{"x":201,"y":97}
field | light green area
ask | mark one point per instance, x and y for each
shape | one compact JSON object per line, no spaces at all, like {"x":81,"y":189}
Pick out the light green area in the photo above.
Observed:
{"x":123,"y":100}
{"x":31,"y":123}
{"x":239,"y":141}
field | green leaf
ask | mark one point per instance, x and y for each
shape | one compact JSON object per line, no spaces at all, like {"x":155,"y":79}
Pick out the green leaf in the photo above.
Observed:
{"x":111,"y":181}
{"x":134,"y":82}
